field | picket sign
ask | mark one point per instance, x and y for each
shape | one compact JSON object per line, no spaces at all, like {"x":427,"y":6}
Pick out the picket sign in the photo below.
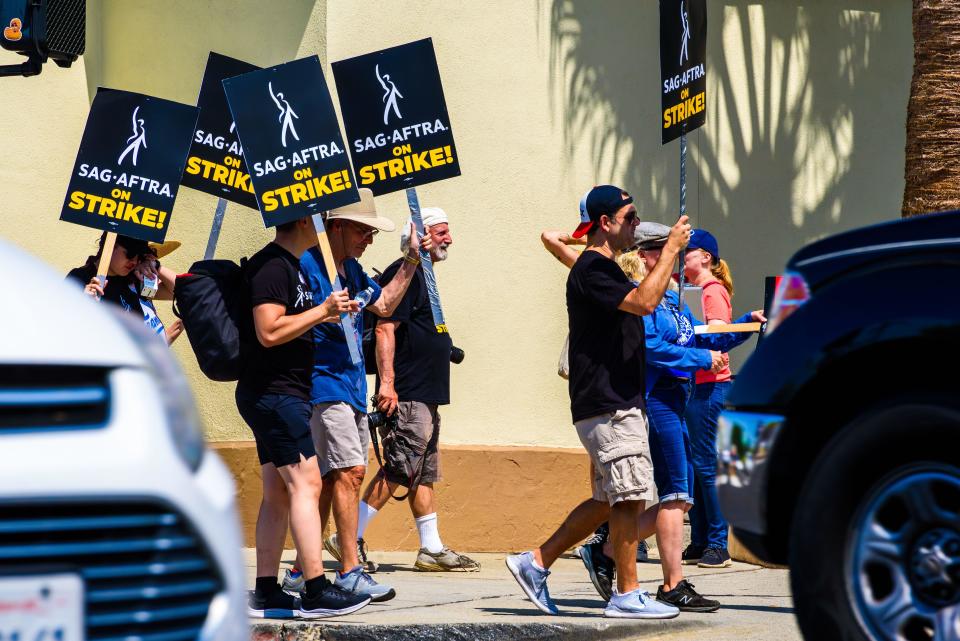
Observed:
{"x":215,"y":229}
{"x":105,"y":256}
{"x":730,"y":328}
{"x":427,"y":262}
{"x":346,"y":321}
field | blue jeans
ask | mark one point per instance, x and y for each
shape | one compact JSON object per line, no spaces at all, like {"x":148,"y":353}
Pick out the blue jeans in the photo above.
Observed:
{"x":708,"y":528}
{"x":670,"y":442}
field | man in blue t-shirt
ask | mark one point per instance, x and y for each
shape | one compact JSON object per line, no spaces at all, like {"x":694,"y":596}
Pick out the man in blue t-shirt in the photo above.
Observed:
{"x":339,"y":386}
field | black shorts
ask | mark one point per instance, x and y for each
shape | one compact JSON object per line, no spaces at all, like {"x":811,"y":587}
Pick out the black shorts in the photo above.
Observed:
{"x":280,"y":424}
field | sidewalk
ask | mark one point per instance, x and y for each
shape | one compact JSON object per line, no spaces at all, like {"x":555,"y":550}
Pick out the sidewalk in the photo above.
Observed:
{"x":489,"y":605}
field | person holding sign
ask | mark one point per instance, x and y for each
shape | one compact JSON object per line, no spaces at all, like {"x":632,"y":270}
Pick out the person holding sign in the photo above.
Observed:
{"x":413,"y":361}
{"x":129,"y":263}
{"x":607,"y":386}
{"x":273,"y":397}
{"x":708,"y":529}
{"x":339,"y":386}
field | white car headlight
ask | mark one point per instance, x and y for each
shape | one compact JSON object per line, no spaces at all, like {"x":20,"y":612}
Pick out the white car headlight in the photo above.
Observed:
{"x":181,"y":417}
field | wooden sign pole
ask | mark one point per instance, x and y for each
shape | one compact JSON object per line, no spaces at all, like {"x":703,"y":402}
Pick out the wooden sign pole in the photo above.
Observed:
{"x":105,"y":256}
{"x":346,"y":322}
{"x":727,"y":329}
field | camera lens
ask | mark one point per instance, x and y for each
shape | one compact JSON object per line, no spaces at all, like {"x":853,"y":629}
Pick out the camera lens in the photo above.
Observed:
{"x":456,"y":355}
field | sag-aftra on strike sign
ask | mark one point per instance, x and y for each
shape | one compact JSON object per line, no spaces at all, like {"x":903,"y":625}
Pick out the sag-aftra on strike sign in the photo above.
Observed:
{"x":396,"y":117}
{"x":129,"y":164}
{"x":291,"y":141}
{"x":216,"y":164}
{"x":683,"y":72}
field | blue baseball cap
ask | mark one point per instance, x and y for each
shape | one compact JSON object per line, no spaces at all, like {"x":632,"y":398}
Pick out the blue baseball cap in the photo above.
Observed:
{"x":599,"y":201}
{"x":702,"y":239}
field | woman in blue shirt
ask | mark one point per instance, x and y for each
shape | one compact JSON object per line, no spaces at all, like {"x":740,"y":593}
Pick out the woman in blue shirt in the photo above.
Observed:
{"x":674,"y":352}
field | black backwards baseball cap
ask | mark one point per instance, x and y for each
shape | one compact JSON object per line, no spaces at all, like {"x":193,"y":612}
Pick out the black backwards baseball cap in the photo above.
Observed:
{"x":602,"y":200}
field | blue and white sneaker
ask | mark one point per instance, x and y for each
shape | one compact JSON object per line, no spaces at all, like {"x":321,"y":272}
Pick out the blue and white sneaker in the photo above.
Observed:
{"x":293,"y":582}
{"x":638,"y":604}
{"x":533,"y":580}
{"x":358,"y":582}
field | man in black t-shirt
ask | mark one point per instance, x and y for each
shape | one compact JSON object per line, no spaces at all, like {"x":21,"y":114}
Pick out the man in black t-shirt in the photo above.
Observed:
{"x":413,"y":362}
{"x":607,"y":386}
{"x":273,"y":397}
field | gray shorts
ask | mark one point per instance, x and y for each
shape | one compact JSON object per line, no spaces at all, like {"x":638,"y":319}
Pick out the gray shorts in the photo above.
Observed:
{"x":415,"y":440}
{"x":620,"y":452}
{"x":340,"y":436}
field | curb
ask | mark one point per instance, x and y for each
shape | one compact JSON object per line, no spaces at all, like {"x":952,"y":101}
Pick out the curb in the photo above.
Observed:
{"x":600,"y":631}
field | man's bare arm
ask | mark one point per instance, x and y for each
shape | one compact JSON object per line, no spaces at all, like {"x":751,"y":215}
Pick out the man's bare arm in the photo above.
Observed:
{"x":645,"y":297}
{"x":386,"y":349}
{"x":558,"y":243}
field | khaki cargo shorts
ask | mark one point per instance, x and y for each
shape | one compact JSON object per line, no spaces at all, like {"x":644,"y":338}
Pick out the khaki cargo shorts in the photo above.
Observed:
{"x":340,"y":436}
{"x":620,"y":452}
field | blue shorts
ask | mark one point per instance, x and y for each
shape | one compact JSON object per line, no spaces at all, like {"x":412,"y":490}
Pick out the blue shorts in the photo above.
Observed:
{"x":670,"y":441}
{"x":280,"y":425}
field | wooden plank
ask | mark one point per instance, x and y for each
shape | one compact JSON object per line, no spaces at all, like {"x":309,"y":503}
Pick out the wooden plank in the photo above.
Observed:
{"x":724,"y":329}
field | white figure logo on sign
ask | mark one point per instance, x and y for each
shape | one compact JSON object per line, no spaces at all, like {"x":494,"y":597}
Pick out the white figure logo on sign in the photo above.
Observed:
{"x":137,"y":140}
{"x":390,"y":95}
{"x":286,"y":116}
{"x":685,"y":21}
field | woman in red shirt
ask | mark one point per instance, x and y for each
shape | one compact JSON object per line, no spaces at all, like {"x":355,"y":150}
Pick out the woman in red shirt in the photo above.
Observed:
{"x":708,"y":529}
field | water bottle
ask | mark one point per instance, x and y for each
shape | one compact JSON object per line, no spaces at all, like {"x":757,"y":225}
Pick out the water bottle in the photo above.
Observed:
{"x":363,"y":298}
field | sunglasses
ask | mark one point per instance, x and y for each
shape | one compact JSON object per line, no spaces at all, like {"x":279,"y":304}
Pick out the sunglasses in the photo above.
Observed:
{"x":367,"y":233}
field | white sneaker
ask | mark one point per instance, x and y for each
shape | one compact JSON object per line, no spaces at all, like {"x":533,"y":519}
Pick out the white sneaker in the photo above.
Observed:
{"x":638,"y":605}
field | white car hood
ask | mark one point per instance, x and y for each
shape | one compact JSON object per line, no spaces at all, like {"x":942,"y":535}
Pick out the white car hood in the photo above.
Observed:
{"x":46,"y":321}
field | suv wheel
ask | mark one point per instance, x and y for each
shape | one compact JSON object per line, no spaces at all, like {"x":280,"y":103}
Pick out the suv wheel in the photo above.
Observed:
{"x":875,"y":542}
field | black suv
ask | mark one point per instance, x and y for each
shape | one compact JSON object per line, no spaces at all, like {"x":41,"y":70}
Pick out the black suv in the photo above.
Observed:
{"x":840,"y":442}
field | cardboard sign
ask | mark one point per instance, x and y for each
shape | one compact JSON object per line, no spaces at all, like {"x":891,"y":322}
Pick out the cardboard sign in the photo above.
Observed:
{"x":215,"y":164}
{"x":683,"y":75}
{"x":396,"y":118}
{"x":291,"y":141}
{"x":128,"y":169}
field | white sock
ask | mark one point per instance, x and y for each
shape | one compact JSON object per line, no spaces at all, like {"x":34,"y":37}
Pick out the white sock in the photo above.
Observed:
{"x":366,"y":515}
{"x":429,"y":533}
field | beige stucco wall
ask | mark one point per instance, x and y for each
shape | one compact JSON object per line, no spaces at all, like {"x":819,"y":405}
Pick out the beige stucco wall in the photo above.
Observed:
{"x":804,"y":136}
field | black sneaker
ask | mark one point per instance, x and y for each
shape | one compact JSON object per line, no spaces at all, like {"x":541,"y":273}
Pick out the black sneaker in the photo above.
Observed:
{"x":330,"y":601}
{"x":600,"y":567}
{"x":691,"y":555}
{"x":687,"y":599}
{"x":275,"y":604}
{"x":715,"y":558}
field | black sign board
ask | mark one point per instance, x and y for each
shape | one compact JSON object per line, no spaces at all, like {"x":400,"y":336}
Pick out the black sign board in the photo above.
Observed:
{"x":129,"y":165}
{"x":215,"y":164}
{"x":396,"y":118}
{"x":291,"y":140}
{"x":683,"y":64}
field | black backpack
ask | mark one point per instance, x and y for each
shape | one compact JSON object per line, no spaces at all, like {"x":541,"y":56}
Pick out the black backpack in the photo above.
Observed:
{"x":211,"y":301}
{"x":368,"y":341}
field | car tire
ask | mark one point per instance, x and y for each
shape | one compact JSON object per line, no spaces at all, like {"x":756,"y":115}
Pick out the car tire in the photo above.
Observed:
{"x":863,"y":476}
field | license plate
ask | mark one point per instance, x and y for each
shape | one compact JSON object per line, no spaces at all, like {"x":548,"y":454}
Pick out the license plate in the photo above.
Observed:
{"x":46,"y":607}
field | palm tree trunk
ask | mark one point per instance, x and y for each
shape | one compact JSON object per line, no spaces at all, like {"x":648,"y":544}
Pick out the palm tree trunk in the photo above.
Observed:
{"x":933,"y":114}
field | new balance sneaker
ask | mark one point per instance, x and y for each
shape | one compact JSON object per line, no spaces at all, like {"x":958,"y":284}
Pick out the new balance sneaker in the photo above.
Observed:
{"x":643,"y":553}
{"x":532,"y":580}
{"x":332,"y":545}
{"x":684,"y":597}
{"x":274,"y":604}
{"x":293,"y":582}
{"x":691,"y":555}
{"x":715,"y":558}
{"x":358,"y":582}
{"x":446,"y":560}
{"x":330,"y":601}
{"x":600,"y":567}
{"x":638,"y":605}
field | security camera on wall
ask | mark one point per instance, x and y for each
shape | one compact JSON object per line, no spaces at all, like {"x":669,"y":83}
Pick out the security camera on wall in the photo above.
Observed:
{"x":42,"y":30}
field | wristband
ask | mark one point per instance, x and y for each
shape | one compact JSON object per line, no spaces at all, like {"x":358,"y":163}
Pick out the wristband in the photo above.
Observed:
{"x":412,"y":261}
